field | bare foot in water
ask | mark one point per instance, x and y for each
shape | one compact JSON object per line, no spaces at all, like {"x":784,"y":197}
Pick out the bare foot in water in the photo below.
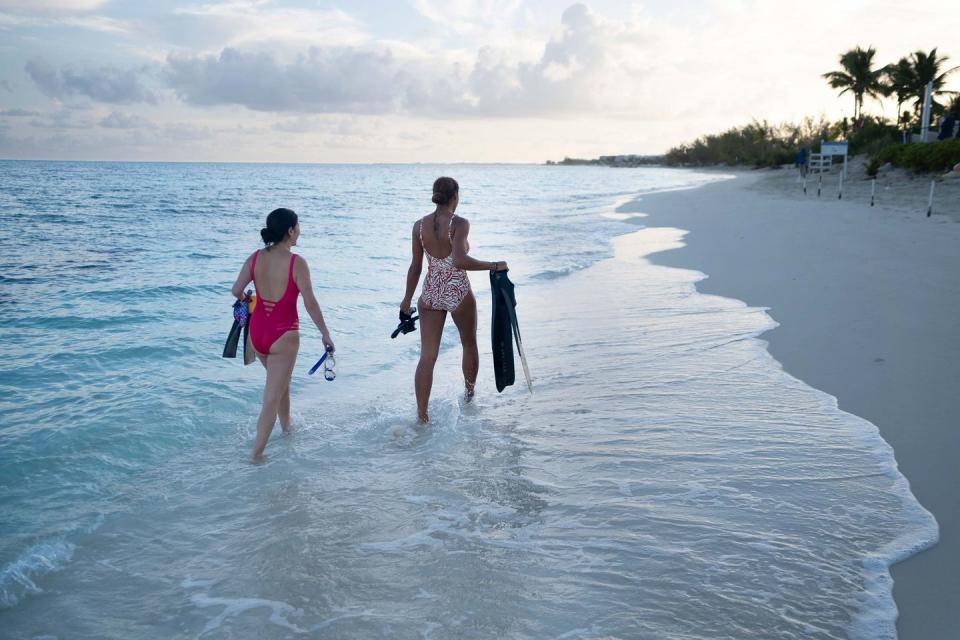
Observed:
{"x":470,"y":388}
{"x":423,"y":421}
{"x":287,"y":428}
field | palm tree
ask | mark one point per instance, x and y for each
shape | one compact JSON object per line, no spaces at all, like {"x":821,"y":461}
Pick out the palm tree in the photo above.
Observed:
{"x":954,"y":106}
{"x":901,"y":81}
{"x":858,"y":77}
{"x":928,"y":67}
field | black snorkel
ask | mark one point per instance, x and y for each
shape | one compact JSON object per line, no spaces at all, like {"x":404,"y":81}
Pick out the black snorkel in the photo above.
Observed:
{"x":408,"y":324}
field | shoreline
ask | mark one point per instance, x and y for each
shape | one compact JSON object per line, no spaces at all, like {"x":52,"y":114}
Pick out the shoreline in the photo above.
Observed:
{"x":866,"y":302}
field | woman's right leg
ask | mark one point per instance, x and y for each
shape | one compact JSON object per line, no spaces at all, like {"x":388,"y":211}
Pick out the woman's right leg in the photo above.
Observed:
{"x":283,"y":355}
{"x":431,"y":330}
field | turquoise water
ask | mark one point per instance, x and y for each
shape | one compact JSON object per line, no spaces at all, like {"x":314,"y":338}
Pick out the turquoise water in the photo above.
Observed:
{"x":666,"y":480}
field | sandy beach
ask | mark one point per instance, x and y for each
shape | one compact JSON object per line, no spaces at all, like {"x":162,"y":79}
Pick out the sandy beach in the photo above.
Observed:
{"x":867,"y":299}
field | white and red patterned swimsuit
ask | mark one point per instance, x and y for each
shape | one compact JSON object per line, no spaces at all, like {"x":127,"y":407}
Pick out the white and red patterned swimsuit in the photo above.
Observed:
{"x":445,"y":286}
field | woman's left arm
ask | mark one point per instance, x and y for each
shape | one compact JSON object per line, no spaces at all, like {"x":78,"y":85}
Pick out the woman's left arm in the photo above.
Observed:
{"x":301,"y":276}
{"x":243,"y":279}
{"x":460,"y":258}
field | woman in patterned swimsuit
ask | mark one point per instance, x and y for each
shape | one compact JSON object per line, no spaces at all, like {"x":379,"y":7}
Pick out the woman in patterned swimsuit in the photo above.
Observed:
{"x":446,"y":288}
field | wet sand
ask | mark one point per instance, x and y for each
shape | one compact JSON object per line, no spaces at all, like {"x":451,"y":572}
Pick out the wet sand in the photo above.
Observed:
{"x":868,"y":301}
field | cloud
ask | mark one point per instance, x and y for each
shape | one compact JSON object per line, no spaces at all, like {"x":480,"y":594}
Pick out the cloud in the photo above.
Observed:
{"x":120,"y":120}
{"x":187,"y":132}
{"x":321,"y":80}
{"x":470,"y":18}
{"x":18,"y":113}
{"x":210,"y":27}
{"x":572,"y":74}
{"x":62,"y":119}
{"x":101,"y":24}
{"x":104,"y":84}
{"x":97,"y":23}
{"x":34,"y":6}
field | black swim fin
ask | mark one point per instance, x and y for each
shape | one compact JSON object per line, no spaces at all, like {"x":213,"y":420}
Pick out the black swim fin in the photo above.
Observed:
{"x":505,"y":327}
{"x":233,"y":338}
{"x":249,"y":355}
{"x":501,"y":329}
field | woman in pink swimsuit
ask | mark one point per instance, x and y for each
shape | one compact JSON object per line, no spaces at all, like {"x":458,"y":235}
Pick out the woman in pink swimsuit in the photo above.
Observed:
{"x":279,"y":277}
{"x":446,"y":288}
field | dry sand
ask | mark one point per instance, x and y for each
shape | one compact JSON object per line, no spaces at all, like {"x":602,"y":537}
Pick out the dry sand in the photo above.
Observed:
{"x":868,"y":301}
{"x":897,"y":192}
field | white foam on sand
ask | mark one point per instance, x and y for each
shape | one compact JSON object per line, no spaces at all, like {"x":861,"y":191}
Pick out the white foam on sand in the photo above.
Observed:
{"x":857,"y":279}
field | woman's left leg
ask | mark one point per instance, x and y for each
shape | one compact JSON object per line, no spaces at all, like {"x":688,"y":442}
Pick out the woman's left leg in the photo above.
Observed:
{"x":465,"y":317}
{"x":279,"y":363}
{"x":283,"y":412}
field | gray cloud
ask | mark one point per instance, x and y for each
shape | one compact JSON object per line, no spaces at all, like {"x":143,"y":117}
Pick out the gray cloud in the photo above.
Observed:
{"x":51,"y":5}
{"x":186,"y":132}
{"x":320,"y":81}
{"x":120,"y":120}
{"x":18,"y":113}
{"x":105,"y":84}
{"x":62,"y":119}
{"x":573,"y":74}
{"x":566,"y":78}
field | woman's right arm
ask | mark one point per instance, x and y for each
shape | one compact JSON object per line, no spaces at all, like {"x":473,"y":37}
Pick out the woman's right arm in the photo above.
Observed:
{"x":243,"y":279}
{"x":413,"y":272}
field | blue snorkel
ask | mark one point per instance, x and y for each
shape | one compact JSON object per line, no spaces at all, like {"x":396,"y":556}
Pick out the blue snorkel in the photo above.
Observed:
{"x":329,"y":371}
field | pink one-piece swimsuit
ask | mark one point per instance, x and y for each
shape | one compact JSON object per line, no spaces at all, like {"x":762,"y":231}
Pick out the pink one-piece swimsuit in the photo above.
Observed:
{"x":273,"y":318}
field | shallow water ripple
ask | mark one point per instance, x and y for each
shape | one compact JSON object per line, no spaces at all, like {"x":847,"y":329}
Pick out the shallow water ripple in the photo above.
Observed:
{"x":666,"y":480}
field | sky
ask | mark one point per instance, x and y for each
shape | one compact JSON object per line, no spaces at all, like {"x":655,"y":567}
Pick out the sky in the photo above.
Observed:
{"x":427,"y":80}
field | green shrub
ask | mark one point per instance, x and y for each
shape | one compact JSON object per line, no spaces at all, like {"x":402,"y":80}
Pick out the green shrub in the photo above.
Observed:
{"x":921,"y":157}
{"x":761,"y":144}
{"x":873,"y":135}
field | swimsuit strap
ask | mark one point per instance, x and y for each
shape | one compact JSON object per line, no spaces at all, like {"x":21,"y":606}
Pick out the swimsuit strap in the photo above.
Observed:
{"x":291,"y":284}
{"x":253,"y":267}
{"x":450,"y":230}
{"x":420,"y":230}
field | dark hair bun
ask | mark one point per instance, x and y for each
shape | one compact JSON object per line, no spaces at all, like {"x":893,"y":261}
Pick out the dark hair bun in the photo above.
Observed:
{"x":279,"y":223}
{"x":444,"y":190}
{"x":268,"y":236}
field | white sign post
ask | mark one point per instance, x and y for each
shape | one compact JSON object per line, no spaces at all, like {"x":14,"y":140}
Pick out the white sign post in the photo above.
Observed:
{"x":925,"y":117}
{"x":835,"y":149}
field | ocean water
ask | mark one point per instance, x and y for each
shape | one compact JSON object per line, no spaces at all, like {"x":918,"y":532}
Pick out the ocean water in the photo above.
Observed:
{"x":667,"y":479}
